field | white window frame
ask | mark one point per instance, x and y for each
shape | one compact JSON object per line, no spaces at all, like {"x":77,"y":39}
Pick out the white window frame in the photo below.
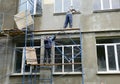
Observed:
{"x":62,"y":11}
{"x":110,"y":5}
{"x":106,"y":56}
{"x":26,"y":3}
{"x":23,"y":60}
{"x":63,"y":66}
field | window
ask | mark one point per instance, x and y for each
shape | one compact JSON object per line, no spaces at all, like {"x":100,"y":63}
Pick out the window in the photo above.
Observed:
{"x":1,"y":21}
{"x":20,"y":58}
{"x":34,"y":6}
{"x":69,"y":58}
{"x":106,"y":4}
{"x":64,"y":5}
{"x":108,"y":55}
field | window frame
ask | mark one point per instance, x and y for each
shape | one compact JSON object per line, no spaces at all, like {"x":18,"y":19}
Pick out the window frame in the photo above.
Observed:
{"x":2,"y":21}
{"x":62,"y":7}
{"x":102,"y":6}
{"x":63,"y":66}
{"x":22,"y":65}
{"x":26,"y":3}
{"x":106,"y":58}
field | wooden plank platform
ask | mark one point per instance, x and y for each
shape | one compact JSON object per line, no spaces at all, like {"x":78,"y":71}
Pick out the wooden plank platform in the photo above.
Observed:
{"x":64,"y":29}
{"x":55,"y":64}
{"x":16,"y":31}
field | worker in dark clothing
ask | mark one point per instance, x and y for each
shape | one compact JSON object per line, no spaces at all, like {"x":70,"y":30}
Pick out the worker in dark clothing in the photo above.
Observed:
{"x":48,"y":45}
{"x":68,"y":18}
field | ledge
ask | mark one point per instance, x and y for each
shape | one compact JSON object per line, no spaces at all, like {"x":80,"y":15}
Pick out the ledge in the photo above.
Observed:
{"x":106,"y":10}
{"x":54,"y":74}
{"x":108,"y":73}
{"x":64,"y":13}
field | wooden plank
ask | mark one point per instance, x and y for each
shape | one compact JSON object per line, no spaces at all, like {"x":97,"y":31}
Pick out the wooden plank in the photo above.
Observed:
{"x":65,"y":29}
{"x":16,"y":31}
{"x":54,"y":64}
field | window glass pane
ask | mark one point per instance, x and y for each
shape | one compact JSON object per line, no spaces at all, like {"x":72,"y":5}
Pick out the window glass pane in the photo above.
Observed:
{"x":38,"y":55}
{"x":115,"y":3}
{"x":76,"y":4}
{"x":67,"y":57}
{"x":112,"y":40}
{"x":106,"y":4}
{"x":67,"y":4}
{"x":58,"y":6}
{"x":101,"y":58}
{"x":18,"y":60}
{"x":22,"y":5}
{"x":64,"y":5}
{"x":39,"y":7}
{"x":1,"y":21}
{"x":111,"y":58}
{"x":58,"y":58}
{"x":118,"y":52}
{"x":65,"y":41}
{"x":31,"y":6}
{"x":29,"y":43}
{"x":77,"y":59}
{"x":97,"y":5}
{"x":37,"y":68}
{"x":27,"y":67}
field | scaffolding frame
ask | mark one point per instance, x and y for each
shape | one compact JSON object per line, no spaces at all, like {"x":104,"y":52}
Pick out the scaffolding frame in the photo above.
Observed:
{"x":16,"y":32}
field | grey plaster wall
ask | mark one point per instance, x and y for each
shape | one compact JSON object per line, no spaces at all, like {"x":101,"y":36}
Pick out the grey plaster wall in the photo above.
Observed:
{"x":6,"y":50}
{"x":8,"y":8}
{"x":3,"y":58}
{"x":69,"y":79}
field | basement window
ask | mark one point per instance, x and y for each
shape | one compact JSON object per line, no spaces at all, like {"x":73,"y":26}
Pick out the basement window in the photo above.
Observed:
{"x":68,"y":55}
{"x":19,"y":59}
{"x":108,"y":55}
{"x":106,"y":4}
{"x":34,"y":6}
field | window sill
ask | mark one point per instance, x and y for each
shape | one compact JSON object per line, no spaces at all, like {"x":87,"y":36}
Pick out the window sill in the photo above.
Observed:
{"x":20,"y":74}
{"x":63,"y":13}
{"x":67,"y":73}
{"x":54,"y":73}
{"x":36,"y":15}
{"x":110,"y":72}
{"x":106,"y":10}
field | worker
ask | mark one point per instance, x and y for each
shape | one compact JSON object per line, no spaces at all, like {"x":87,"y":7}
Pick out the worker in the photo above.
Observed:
{"x":68,"y":18}
{"x":48,"y":45}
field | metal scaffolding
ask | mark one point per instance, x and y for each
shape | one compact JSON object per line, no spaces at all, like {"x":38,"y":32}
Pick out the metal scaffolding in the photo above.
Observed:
{"x":25,"y":23}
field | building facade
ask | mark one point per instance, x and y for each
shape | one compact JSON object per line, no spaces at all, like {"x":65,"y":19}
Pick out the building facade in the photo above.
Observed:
{"x":94,"y":40}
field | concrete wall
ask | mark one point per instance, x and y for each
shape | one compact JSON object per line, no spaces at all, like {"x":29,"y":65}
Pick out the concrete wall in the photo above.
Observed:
{"x":8,"y":8}
{"x":6,"y":50}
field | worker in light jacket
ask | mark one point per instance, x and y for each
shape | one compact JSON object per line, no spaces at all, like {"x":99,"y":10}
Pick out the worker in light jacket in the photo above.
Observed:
{"x":48,"y":45}
{"x":69,"y":18}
